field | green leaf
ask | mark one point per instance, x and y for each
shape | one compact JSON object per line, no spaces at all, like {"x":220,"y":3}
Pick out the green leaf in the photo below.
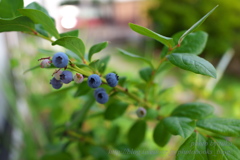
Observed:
{"x":192,"y":63}
{"x":167,"y":41}
{"x":72,"y":43}
{"x":194,"y":148}
{"x":73,"y":33}
{"x":222,"y":126}
{"x":113,"y":134}
{"x":196,"y":25}
{"x":58,"y":156}
{"x":146,"y":73}
{"x":39,"y":28}
{"x":102,"y":64}
{"x":193,"y":43}
{"x":36,"y":6}
{"x":94,"y":64}
{"x":73,"y":55}
{"x":136,"y":133}
{"x":195,"y":110}
{"x":161,"y":136}
{"x":221,"y":149}
{"x":115,"y":110}
{"x":9,"y":8}
{"x":82,"y":89}
{"x":96,"y":48}
{"x":40,"y":17}
{"x":98,"y":153}
{"x":179,"y":126}
{"x":135,"y":56}
{"x":21,"y":23}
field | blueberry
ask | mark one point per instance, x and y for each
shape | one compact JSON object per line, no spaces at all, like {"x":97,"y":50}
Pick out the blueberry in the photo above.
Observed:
{"x":56,"y":83}
{"x":112,"y":79}
{"x":100,"y":95}
{"x":141,"y":112}
{"x":66,"y":77}
{"x":94,"y":81}
{"x":60,"y":60}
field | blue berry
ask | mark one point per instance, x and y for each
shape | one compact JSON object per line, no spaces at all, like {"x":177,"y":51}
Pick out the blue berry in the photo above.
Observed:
{"x":112,"y":79}
{"x":94,"y":81}
{"x":56,"y":83}
{"x":60,"y":60}
{"x":66,"y":77}
{"x":100,"y":95}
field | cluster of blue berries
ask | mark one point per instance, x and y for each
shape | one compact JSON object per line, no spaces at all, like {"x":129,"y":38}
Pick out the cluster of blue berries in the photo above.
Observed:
{"x":94,"y":81}
{"x":60,"y":60}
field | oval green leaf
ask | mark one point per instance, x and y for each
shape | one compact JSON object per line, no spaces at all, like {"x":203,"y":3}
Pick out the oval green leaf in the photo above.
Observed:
{"x":82,"y":89}
{"x":9,"y":8}
{"x":222,"y":149}
{"x":222,"y":126}
{"x":146,"y":73}
{"x":179,"y":126}
{"x":96,"y":48}
{"x":195,"y":26}
{"x":42,"y":18}
{"x":194,"y":148}
{"x":21,"y":23}
{"x":167,"y":41}
{"x":195,"y":110}
{"x":161,"y":136}
{"x":135,"y":56}
{"x":73,"y":33}
{"x":136,"y":133}
{"x":115,"y":110}
{"x":72,"y":43}
{"x":192,"y":63}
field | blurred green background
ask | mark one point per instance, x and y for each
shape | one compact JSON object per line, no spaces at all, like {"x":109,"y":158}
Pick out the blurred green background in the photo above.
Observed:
{"x":37,"y":113}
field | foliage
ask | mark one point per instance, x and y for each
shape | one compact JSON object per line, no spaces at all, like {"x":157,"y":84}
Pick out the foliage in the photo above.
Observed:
{"x":204,"y":134}
{"x":171,"y":16}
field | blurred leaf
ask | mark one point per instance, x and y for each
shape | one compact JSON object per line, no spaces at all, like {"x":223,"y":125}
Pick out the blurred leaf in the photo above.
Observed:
{"x":164,"y":66}
{"x":179,"y":126}
{"x":96,"y":48}
{"x":21,"y":23}
{"x":161,"y":136}
{"x":194,"y":43}
{"x":146,"y":73}
{"x":98,"y":153}
{"x":30,"y":69}
{"x":195,"y":110}
{"x":196,"y":25}
{"x":94,"y":64}
{"x":58,"y":156}
{"x":136,"y":56}
{"x":82,"y":89}
{"x":9,"y":8}
{"x":152,"y":114}
{"x":193,"y":148}
{"x":115,"y":110}
{"x":136,"y":133}
{"x":82,"y":112}
{"x":192,"y":63}
{"x":102,"y":64}
{"x":36,"y":6}
{"x":73,"y":55}
{"x":39,"y":28}
{"x":122,"y":80}
{"x":45,"y":51}
{"x":72,"y":43}
{"x":222,"y":126}
{"x":73,"y":33}
{"x":113,"y":134}
{"x":222,"y":149}
{"x":40,"y":17}
{"x":167,"y":41}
